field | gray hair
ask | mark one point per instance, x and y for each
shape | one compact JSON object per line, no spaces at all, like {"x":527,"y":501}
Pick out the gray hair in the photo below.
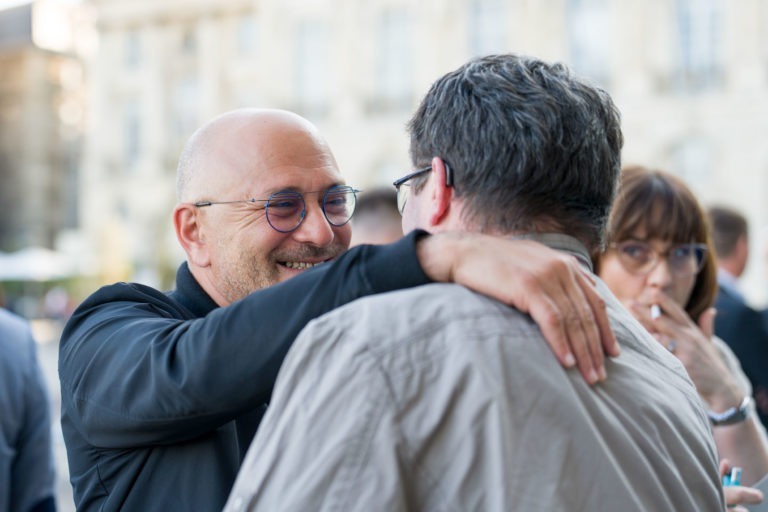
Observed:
{"x":530,"y":145}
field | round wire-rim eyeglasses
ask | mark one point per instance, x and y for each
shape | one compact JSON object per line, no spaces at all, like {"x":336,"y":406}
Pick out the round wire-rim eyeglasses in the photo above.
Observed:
{"x":285,"y":210}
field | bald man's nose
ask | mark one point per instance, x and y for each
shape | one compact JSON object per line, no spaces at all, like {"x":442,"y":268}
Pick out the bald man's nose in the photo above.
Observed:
{"x":315,"y":229}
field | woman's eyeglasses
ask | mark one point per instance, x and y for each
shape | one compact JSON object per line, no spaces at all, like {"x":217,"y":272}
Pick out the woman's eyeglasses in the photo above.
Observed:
{"x":641,"y":258}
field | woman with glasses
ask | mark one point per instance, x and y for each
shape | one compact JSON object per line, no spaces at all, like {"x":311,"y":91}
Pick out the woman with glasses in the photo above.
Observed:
{"x":660,"y":263}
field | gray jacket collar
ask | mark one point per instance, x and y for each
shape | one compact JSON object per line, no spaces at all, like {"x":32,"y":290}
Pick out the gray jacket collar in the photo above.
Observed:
{"x":560,"y":242}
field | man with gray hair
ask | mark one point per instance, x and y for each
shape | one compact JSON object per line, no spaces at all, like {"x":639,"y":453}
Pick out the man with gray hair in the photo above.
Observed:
{"x":162,"y":392}
{"x":437,"y":398}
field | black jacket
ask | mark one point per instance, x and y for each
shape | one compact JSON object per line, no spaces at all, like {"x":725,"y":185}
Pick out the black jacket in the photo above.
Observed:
{"x":742,"y":329}
{"x":162,"y":393}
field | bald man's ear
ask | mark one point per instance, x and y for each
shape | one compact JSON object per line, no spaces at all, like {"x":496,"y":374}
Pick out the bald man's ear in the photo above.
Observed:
{"x":189,"y":232}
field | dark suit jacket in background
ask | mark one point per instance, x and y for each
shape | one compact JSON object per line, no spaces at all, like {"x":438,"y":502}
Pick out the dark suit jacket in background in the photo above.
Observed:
{"x":764,"y":313}
{"x":743,"y":329}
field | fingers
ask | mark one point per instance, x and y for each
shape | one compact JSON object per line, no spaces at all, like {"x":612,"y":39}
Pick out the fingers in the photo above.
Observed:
{"x":671,"y":309}
{"x":736,"y":494}
{"x":584,"y":337}
{"x":572,"y":318}
{"x":725,"y":467}
{"x":584,"y":325}
{"x":545,"y":313}
{"x":750,"y":495}
{"x":739,"y":495}
{"x":707,"y":322}
{"x":642,"y":314}
{"x":673,"y":322}
{"x":597,"y":304}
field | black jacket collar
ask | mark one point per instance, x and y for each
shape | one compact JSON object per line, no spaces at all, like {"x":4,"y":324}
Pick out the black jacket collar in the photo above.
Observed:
{"x":190,"y":294}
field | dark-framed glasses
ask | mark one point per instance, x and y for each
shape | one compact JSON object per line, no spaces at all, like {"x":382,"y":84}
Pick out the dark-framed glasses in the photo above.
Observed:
{"x":403,"y":185}
{"x":640,"y":258}
{"x":285,"y":210}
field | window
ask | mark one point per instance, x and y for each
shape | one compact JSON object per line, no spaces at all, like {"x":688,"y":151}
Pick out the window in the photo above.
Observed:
{"x":487,"y":28}
{"x":589,"y":39}
{"x":247,"y":34}
{"x":693,"y":159}
{"x":394,"y":84}
{"x":132,"y":49}
{"x":131,"y":134}
{"x":313,"y":72}
{"x":184,"y":115}
{"x":189,"y":41}
{"x":699,"y":31}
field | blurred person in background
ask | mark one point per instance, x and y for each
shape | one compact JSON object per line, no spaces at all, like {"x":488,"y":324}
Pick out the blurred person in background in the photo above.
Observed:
{"x":764,"y":311}
{"x":437,"y":398}
{"x":162,"y":393}
{"x":764,"y":260}
{"x":26,"y":457}
{"x":376,"y":219}
{"x":660,"y":263}
{"x":736,"y":322}
{"x":57,"y":304}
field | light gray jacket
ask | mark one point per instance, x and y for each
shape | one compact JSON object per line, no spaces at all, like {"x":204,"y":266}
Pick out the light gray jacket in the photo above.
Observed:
{"x":439,"y":399}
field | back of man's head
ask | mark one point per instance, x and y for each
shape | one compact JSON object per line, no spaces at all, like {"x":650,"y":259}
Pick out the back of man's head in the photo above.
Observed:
{"x":727,"y":226}
{"x":532,"y":148}
{"x":730,"y":238}
{"x":376,"y":220}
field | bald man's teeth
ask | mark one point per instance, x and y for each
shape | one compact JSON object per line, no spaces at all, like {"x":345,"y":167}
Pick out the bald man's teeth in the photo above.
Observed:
{"x":299,"y":265}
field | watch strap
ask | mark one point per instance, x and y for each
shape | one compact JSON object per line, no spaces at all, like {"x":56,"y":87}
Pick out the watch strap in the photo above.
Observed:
{"x":731,"y":416}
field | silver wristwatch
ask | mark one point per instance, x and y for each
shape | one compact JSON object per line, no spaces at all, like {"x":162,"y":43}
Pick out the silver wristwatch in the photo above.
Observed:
{"x":731,"y":416}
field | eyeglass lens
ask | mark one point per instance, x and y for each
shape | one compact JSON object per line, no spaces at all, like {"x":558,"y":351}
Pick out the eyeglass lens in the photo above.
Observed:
{"x":402,"y":196}
{"x":286,"y":210}
{"x":641,"y":258}
{"x":403,"y":186}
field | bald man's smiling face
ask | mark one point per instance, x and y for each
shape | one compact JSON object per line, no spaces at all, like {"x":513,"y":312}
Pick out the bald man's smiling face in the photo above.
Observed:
{"x":256,"y":159}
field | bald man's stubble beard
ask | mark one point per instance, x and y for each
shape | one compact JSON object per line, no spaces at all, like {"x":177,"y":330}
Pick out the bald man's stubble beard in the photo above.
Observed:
{"x":244,"y":275}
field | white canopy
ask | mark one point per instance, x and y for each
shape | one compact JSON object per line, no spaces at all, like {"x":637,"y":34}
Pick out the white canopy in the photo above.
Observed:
{"x":35,"y":264}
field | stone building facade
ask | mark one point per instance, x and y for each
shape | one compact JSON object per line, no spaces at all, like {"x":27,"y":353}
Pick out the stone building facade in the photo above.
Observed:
{"x":688,"y":75}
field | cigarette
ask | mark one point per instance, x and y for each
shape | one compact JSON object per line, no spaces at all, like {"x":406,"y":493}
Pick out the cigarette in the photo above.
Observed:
{"x":655,"y":311}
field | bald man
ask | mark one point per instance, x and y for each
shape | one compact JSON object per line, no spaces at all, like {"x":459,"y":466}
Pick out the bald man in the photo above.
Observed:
{"x":163,"y":392}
